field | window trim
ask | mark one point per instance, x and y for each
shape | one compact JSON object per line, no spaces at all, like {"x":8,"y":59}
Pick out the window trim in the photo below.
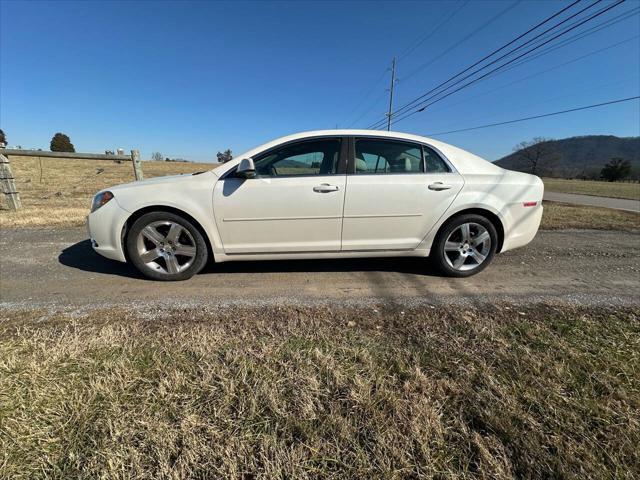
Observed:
{"x":351,"y":164}
{"x":342,"y":158}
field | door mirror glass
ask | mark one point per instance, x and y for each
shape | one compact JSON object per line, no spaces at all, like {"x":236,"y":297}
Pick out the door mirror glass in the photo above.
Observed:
{"x":246,"y":168}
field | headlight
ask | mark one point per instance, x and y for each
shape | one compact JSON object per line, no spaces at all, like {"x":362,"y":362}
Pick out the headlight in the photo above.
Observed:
{"x":100,"y":199}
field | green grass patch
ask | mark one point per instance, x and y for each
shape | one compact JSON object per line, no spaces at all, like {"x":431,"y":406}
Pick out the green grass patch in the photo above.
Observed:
{"x":592,"y":187}
{"x":560,"y":216}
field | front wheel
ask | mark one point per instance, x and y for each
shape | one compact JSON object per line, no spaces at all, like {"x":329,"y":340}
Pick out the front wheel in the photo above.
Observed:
{"x":465,"y":245}
{"x":166,"y":246}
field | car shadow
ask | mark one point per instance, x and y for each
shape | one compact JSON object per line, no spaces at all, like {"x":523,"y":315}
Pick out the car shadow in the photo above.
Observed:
{"x":417,"y":266}
{"x":82,"y":257}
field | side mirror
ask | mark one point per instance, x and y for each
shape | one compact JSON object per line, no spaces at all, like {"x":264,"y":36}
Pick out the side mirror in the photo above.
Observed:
{"x":246,"y":168}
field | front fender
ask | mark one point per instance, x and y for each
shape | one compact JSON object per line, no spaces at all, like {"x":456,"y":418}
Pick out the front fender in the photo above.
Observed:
{"x":193,"y":197}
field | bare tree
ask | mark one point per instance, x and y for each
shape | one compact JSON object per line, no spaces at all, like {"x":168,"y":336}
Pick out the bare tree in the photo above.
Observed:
{"x":157,"y":157}
{"x":538,"y":155}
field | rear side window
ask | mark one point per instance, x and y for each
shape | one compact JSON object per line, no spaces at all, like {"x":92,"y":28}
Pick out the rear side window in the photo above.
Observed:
{"x":434,"y":162}
{"x":387,"y":156}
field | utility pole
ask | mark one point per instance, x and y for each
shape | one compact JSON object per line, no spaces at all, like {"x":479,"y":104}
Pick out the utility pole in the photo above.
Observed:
{"x":393,"y":82}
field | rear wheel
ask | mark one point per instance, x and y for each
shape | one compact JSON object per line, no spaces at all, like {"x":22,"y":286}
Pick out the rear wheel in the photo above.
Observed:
{"x":166,"y":246}
{"x":465,"y":245}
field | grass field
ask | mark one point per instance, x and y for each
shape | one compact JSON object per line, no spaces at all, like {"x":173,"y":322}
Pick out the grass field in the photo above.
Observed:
{"x":491,"y":392}
{"x":558,"y":216}
{"x":589,"y":187}
{"x":58,"y":192}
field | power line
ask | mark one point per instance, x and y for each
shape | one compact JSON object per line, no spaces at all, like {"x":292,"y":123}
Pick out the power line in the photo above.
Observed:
{"x":408,"y":51}
{"x":366,"y":96}
{"x":500,"y":67}
{"x":548,"y":19}
{"x":590,"y":31}
{"x":431,"y":33}
{"x":423,"y":104}
{"x":373,"y":104}
{"x":537,"y":116}
{"x":460,"y":42}
{"x":536,"y":74}
{"x":577,"y":91}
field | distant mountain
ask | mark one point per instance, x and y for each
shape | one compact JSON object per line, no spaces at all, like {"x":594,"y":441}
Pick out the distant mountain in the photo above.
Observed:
{"x":583,"y":156}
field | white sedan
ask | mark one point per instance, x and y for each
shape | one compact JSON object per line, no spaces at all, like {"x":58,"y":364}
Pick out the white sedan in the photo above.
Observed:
{"x":323,"y":194}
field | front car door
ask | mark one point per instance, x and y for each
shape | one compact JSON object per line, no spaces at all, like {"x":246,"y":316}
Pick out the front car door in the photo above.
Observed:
{"x":293,"y":205}
{"x":396,"y":192}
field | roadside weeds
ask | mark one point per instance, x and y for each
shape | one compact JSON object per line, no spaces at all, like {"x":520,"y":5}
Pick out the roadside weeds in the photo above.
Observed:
{"x":495,"y":391}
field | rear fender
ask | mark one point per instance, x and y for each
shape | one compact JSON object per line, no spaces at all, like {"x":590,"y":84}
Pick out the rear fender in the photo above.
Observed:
{"x":505,"y":196}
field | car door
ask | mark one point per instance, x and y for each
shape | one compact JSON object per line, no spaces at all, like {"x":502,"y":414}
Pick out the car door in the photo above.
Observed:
{"x":294,"y":204}
{"x":396,"y":192}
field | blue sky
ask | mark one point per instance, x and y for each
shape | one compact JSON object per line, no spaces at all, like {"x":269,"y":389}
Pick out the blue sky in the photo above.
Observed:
{"x":190,"y":78}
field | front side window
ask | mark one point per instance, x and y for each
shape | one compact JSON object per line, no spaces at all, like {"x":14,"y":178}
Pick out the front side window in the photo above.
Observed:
{"x":387,"y":156}
{"x":315,"y":157}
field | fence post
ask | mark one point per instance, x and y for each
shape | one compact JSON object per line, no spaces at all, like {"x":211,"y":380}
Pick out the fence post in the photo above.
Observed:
{"x":137,"y":164}
{"x":8,"y":184}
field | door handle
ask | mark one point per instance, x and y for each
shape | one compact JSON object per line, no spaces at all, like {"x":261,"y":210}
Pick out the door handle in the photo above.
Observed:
{"x":325,"y":188}
{"x":437,"y":186}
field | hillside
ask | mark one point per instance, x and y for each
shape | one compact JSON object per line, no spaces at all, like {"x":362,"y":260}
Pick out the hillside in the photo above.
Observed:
{"x":583,"y":156}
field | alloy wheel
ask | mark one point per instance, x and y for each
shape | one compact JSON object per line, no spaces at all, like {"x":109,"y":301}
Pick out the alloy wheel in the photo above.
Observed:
{"x":166,"y":247}
{"x":467,"y":246}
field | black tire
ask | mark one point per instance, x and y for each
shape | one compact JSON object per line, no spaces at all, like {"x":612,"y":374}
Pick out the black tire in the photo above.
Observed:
{"x":439,"y":256}
{"x":188,"y":238}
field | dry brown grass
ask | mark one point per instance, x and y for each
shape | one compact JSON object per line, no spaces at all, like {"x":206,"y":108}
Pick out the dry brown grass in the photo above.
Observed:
{"x":59,"y":194}
{"x":496,"y":392}
{"x":591,"y":187}
{"x":558,"y":216}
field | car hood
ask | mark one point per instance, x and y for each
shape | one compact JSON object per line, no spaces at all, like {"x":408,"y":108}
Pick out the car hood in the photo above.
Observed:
{"x":169,"y":179}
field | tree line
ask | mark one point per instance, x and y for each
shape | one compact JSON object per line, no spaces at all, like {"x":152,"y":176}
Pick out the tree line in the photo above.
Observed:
{"x":541,"y":158}
{"x":222,"y":157}
{"x":61,"y":142}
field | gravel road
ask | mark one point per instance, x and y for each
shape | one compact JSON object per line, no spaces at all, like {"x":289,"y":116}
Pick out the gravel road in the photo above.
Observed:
{"x":59,"y":268}
{"x":593,"y":201}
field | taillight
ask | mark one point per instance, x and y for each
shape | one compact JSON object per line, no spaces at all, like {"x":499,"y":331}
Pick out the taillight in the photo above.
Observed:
{"x":530,"y":204}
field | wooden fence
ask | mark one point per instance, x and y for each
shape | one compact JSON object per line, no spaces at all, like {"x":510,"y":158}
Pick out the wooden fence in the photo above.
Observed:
{"x":7,"y":180}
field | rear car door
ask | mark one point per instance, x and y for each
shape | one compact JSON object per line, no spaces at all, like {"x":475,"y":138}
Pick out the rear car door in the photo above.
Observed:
{"x":396,"y":192}
{"x":293,"y":205}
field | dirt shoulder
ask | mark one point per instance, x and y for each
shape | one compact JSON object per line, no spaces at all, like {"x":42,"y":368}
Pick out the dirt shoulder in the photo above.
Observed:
{"x":59,"y":267}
